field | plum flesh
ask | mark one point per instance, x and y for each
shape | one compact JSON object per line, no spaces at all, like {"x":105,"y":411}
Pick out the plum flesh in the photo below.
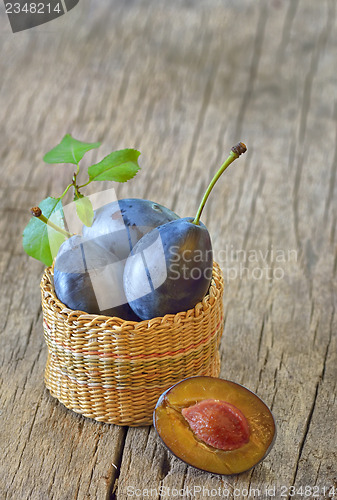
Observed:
{"x":181,"y":440}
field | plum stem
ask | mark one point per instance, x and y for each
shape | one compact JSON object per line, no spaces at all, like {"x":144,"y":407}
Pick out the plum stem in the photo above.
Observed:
{"x":83,"y":185}
{"x":236,"y":151}
{"x":36,"y":212}
{"x":65,"y":191}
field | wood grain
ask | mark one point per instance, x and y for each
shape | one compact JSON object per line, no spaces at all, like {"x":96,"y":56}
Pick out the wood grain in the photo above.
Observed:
{"x":182,"y":81}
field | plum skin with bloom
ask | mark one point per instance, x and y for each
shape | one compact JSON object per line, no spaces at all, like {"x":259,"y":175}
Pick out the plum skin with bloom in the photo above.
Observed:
{"x":157,"y":279}
{"x":119,"y":225}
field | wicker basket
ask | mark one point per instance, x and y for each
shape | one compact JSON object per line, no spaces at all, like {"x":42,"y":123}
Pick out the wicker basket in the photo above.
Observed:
{"x":114,"y":371}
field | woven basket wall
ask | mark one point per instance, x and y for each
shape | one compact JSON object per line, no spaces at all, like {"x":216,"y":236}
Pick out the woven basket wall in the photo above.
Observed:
{"x":114,"y":371}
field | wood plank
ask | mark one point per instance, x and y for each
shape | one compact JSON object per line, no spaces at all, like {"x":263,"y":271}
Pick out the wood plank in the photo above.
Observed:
{"x":182,"y":82}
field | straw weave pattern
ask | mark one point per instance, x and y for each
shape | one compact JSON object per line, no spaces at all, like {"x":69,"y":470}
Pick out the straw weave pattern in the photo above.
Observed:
{"x":113,"y":370}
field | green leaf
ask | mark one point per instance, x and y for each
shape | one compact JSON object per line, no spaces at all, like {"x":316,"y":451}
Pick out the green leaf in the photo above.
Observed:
{"x":119,"y":166}
{"x":84,"y":210}
{"x":69,"y":150}
{"x":41,"y":241}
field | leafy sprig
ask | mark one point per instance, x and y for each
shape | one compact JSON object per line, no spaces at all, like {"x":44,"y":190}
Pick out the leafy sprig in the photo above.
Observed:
{"x":45,"y":232}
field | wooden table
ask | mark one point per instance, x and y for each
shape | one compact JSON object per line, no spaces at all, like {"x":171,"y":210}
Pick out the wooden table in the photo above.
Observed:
{"x":182,"y":81}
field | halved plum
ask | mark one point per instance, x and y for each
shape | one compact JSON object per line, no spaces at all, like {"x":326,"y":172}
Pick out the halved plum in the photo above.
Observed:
{"x":214,"y":425}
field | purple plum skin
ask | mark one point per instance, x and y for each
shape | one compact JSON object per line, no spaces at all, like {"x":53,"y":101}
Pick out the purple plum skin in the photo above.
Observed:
{"x":120,"y":224}
{"x":78,"y":264}
{"x":169,"y":270}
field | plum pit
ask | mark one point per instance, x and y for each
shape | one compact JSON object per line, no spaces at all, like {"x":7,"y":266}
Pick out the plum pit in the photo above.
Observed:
{"x":218,"y":424}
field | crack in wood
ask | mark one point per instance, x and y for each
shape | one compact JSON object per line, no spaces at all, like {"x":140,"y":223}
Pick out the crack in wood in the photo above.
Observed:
{"x":328,"y":345}
{"x":95,"y":458}
{"x":197,"y":131}
{"x":286,"y":30}
{"x":25,"y":444}
{"x":311,"y":412}
{"x":112,"y":483}
{"x":165,"y":468}
{"x":252,"y":211}
{"x":305,"y":434}
{"x":260,"y":337}
{"x":333,"y":171}
{"x":254,"y":66}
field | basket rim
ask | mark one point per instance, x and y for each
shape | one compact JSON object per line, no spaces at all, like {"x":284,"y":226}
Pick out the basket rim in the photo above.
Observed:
{"x":116,"y":323}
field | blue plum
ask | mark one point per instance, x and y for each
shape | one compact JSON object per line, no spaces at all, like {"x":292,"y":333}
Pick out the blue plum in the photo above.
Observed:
{"x":89,"y":278}
{"x":169,"y":269}
{"x":120,"y":224}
